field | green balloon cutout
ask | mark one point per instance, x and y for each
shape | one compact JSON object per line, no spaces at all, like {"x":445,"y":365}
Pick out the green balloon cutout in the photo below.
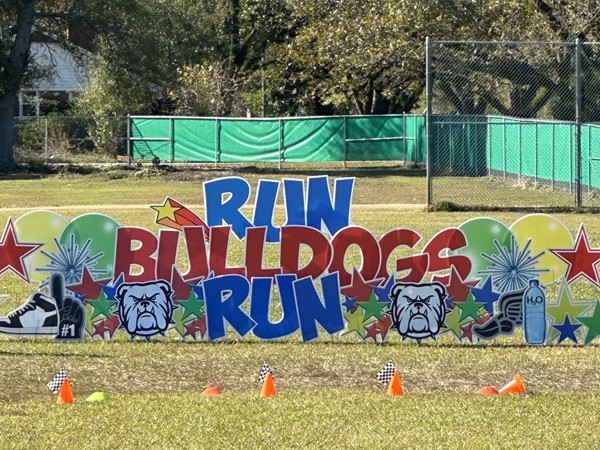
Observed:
{"x":481,"y":233}
{"x":102,"y":230}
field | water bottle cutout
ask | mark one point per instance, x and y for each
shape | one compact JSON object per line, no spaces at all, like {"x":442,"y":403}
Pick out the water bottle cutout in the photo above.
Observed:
{"x":534,"y":313}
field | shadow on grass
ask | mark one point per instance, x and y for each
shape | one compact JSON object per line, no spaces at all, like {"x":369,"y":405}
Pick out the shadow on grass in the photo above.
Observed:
{"x":47,"y":353}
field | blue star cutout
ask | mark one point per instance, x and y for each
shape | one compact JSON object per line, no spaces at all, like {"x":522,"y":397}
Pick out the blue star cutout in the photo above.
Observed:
{"x":383,"y":292}
{"x":349,"y":304}
{"x":80,"y":297}
{"x":486,"y":295}
{"x":567,"y":330}
{"x":198,"y":289}
{"x":110,"y":291}
{"x":449,"y":301}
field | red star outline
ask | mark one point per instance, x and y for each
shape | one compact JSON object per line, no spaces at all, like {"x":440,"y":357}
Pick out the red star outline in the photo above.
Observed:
{"x":106,"y":326}
{"x":467,"y":330}
{"x":89,"y":288}
{"x":360,"y":289}
{"x":192,"y":327}
{"x":380,"y":327}
{"x":456,"y":288}
{"x":13,"y":252}
{"x":581,"y":259}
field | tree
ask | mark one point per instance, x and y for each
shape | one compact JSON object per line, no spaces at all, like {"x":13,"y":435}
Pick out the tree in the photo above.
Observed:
{"x":103,"y":19}
{"x":518,"y":80}
{"x":362,"y":57}
{"x":222,"y":82}
{"x":14,"y":59}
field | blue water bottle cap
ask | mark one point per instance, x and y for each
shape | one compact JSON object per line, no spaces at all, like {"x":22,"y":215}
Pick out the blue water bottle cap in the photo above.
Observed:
{"x":535,"y":283}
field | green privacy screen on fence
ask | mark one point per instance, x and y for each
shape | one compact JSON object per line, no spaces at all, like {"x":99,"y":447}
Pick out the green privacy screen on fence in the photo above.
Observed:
{"x":472,"y":146}
{"x":320,"y":139}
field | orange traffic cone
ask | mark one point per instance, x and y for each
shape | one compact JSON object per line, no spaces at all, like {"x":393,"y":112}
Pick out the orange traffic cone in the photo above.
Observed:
{"x":268,"y":387}
{"x":515,"y":386}
{"x":395,"y":386}
{"x":210,"y":391}
{"x":488,"y":390}
{"x":65,"y":395}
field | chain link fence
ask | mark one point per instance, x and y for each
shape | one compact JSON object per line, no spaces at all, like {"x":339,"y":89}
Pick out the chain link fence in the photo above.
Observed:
{"x":513,"y":124}
{"x":70,"y":139}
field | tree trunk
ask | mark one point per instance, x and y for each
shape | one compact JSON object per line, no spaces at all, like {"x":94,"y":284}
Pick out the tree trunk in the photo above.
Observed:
{"x":7,"y":160}
{"x":13,"y":74}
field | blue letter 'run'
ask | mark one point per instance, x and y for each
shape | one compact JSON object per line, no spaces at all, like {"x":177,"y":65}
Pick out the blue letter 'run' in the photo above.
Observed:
{"x":223,"y":297}
{"x":311,"y":310}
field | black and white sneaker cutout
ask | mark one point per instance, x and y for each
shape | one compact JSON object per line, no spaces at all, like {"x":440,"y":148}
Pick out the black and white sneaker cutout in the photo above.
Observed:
{"x":38,"y":316}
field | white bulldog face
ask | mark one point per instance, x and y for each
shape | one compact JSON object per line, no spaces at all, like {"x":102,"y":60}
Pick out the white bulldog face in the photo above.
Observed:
{"x":146,"y":309}
{"x":418,"y":310}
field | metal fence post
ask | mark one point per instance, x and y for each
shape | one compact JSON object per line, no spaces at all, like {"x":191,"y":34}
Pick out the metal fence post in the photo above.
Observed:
{"x":535,"y":154}
{"x":128,"y":140}
{"x":404,"y":137}
{"x":578,"y":104}
{"x":345,"y":140}
{"x":504,"y":148}
{"x":172,"y":139}
{"x":281,"y":149}
{"x":46,"y":138}
{"x":217,"y":141}
{"x":429,"y":89}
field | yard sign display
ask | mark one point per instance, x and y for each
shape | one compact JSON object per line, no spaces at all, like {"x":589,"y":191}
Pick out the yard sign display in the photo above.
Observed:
{"x":93,"y":277}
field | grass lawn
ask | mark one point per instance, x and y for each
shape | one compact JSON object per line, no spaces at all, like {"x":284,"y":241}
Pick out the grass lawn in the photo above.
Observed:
{"x":328,"y":396}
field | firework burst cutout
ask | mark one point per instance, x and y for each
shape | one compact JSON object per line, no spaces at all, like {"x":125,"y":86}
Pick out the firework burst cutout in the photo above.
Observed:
{"x":512,"y":269}
{"x":70,"y":261}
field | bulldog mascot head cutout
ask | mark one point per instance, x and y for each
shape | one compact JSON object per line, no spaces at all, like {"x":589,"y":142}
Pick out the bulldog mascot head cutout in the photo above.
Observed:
{"x":145,"y":309}
{"x":418,"y":310}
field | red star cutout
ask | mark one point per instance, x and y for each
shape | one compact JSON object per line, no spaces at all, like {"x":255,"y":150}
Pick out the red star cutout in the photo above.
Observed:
{"x":372,"y":332}
{"x":181,"y":288}
{"x":581,"y":259}
{"x":383,"y":326}
{"x":99,"y":329}
{"x":380,"y":327}
{"x":89,"y":288}
{"x":192,"y":327}
{"x":467,"y":330}
{"x":359,"y":289}
{"x":458,"y":289}
{"x":12,"y":252}
{"x":107,"y":326}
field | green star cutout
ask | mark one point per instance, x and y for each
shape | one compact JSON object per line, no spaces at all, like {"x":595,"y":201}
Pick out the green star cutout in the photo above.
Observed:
{"x":89,"y":325}
{"x":356,"y":322}
{"x":564,"y":307}
{"x":102,"y":306}
{"x":453,"y":322}
{"x":469,"y":308}
{"x":593,"y":324}
{"x":192,"y":306}
{"x":372,"y":307}
{"x":178,"y":322}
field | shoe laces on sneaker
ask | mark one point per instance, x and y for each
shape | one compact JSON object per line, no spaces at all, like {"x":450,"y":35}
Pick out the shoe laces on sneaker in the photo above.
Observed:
{"x":29,"y":306}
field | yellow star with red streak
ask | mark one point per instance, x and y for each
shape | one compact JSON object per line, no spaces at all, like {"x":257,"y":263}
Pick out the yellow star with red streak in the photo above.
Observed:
{"x":165,"y":211}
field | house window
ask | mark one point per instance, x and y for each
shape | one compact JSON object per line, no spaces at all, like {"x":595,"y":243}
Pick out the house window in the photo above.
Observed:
{"x":29,"y":104}
{"x":36,"y":103}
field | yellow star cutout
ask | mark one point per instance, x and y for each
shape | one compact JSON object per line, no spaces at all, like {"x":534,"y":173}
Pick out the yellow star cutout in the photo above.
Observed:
{"x":165,"y":211}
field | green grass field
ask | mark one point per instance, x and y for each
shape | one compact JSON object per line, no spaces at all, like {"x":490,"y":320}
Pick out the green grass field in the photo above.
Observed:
{"x":328,"y":396}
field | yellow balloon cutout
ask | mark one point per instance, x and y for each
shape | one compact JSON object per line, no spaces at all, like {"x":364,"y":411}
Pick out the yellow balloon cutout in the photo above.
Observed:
{"x":546,"y":232}
{"x":39,"y":227}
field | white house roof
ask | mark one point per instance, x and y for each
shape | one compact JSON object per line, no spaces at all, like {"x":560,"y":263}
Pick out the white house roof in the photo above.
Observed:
{"x":67,"y":72}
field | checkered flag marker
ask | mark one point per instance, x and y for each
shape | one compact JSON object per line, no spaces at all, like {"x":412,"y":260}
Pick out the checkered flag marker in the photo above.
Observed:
{"x":266,"y":369}
{"x":58,"y":381}
{"x":386,"y":373}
